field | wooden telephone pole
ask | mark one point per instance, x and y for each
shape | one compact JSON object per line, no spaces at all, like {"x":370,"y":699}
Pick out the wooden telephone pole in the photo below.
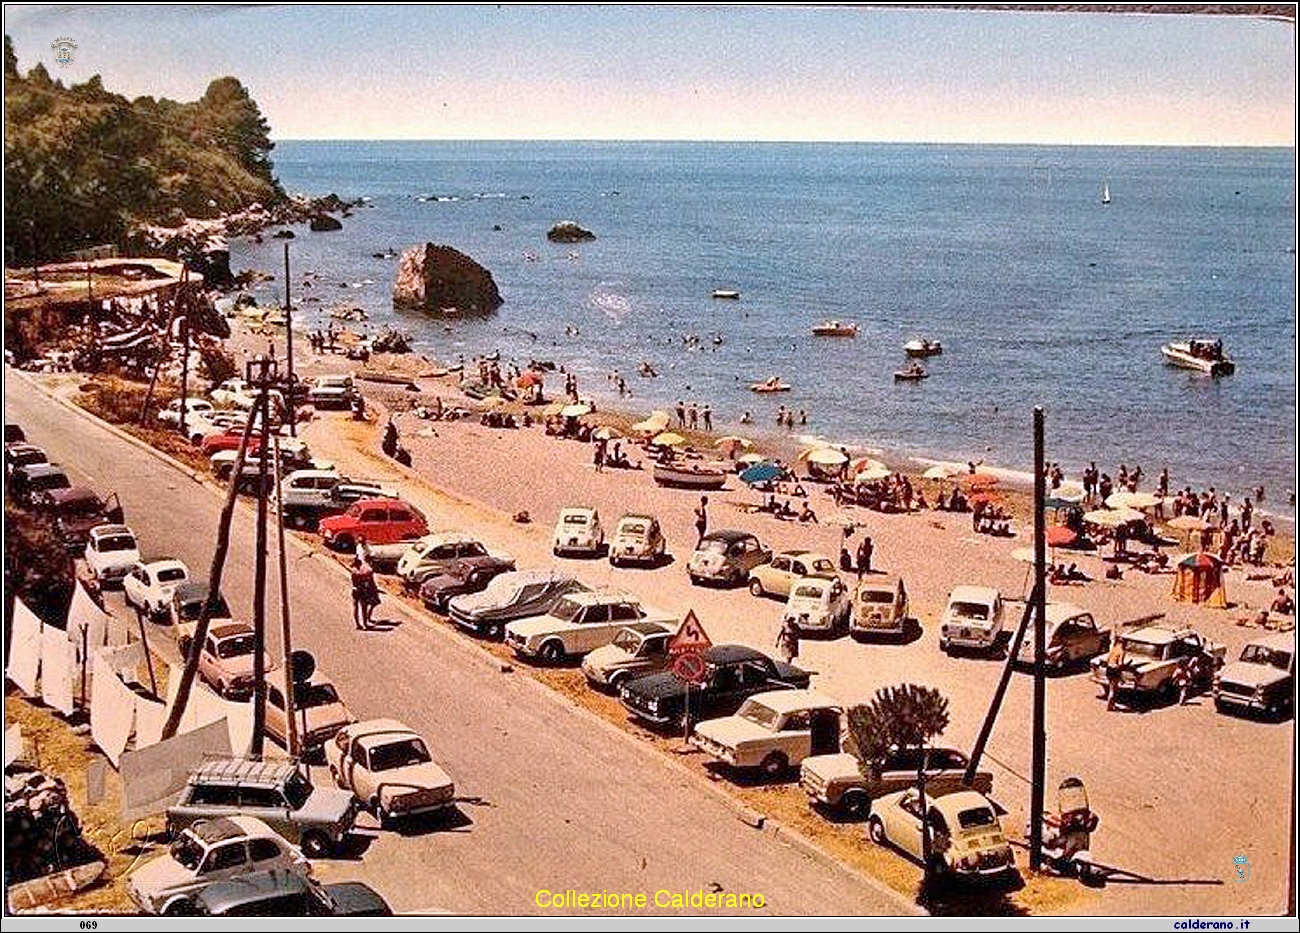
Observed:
{"x":261,"y":375}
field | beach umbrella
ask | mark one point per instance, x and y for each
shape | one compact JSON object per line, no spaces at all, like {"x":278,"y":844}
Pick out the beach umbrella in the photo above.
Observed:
{"x":1069,"y":493}
{"x":862,"y":464}
{"x":554,"y":408}
{"x":492,"y":401}
{"x":668,"y":439}
{"x":659,"y":417}
{"x":825,"y":456}
{"x":750,"y":459}
{"x":529,"y":378}
{"x":939,"y":472}
{"x":875,"y":474}
{"x":606,"y":433}
{"x":979,"y":480}
{"x":576,"y":410}
{"x":1112,"y":518}
{"x":764,"y":472}
{"x":1188,"y":523}
{"x":1133,"y":500}
{"x":731,"y":443}
{"x":984,"y":497}
{"x":1060,"y":536}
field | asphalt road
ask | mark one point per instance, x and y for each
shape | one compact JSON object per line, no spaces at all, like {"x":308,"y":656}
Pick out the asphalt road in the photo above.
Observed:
{"x":553,"y":797}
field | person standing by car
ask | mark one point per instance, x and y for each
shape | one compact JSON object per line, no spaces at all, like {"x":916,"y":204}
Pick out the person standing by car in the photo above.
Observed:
{"x":701,"y":519}
{"x":787,"y":641}
{"x":365,"y":592}
{"x":865,"y":550}
{"x":1115,"y":661}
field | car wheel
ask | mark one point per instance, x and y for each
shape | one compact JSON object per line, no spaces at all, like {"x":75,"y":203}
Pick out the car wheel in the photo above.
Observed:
{"x":856,"y":804}
{"x":345,"y":543}
{"x":1168,"y":693}
{"x":617,"y":679}
{"x":180,"y":907}
{"x":944,"y":647}
{"x":876,"y":830}
{"x":552,"y":652}
{"x":775,"y":765}
{"x":756,"y":586}
{"x":695,"y":581}
{"x":493,"y":630}
{"x":613,"y":560}
{"x":315,"y":844}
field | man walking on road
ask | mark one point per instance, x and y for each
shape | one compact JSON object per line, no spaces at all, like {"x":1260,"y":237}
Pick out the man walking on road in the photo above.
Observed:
{"x":701,"y":519}
{"x":787,"y":641}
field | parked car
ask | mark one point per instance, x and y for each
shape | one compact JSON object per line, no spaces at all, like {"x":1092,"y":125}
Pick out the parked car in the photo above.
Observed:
{"x":966,"y":835}
{"x":229,"y":439}
{"x":466,"y":575}
{"x":332,"y":391}
{"x":208,"y":852}
{"x":773,"y":731}
{"x":578,"y":623}
{"x":376,"y":521}
{"x":880,"y":607}
{"x":839,"y":783}
{"x":389,"y":768}
{"x":973,"y":619}
{"x":317,"y":710}
{"x":226,"y":660}
{"x":187,"y":604}
{"x":318,"y":819}
{"x":310,"y":495}
{"x":279,"y":893}
{"x":777,"y":576}
{"x":1261,"y":680}
{"x":726,"y":557}
{"x":235,"y":393}
{"x":819,"y":605}
{"x":1153,"y":656}
{"x":639,"y":648}
{"x":1072,"y":636}
{"x":196,"y":408}
{"x":14,"y":433}
{"x":29,"y":480}
{"x":294,"y":455}
{"x":111,"y":553}
{"x":437,"y":553}
{"x":77,"y":509}
{"x":578,"y":531}
{"x":638,"y":539}
{"x":22,"y":454}
{"x":511,"y":596}
{"x":733,"y":673}
{"x":148,"y":588}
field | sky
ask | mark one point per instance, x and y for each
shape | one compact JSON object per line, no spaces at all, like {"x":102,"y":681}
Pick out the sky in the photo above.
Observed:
{"x":732,"y":72}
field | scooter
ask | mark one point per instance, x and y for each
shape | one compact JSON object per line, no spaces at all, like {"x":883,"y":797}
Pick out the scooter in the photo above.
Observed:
{"x":1068,"y":835}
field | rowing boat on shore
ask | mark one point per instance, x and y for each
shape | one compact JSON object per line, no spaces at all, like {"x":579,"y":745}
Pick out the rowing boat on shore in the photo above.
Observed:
{"x":688,"y":477}
{"x":1205,"y":356}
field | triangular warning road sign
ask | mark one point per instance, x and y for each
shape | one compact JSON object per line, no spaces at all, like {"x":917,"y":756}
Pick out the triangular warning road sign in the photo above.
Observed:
{"x":690,"y":637}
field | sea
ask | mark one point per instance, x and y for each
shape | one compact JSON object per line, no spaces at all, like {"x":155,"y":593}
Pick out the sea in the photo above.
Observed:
{"x":1041,"y":294}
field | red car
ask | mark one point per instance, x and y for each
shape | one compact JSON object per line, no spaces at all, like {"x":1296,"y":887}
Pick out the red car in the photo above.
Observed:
{"x":377,"y":521}
{"x":229,"y":440}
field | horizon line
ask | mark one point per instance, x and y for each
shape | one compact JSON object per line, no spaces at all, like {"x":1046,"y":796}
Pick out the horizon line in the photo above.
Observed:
{"x":833,"y":142}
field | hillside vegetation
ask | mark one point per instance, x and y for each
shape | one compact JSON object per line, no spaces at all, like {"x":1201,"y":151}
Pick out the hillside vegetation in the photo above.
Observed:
{"x":84,"y":165}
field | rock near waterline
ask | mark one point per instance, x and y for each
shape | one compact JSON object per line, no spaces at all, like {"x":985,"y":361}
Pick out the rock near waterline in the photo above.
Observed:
{"x":442,"y":280}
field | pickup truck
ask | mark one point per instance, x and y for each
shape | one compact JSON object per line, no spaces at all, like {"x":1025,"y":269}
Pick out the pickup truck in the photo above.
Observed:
{"x":838,"y":783}
{"x":773,"y":731}
{"x":1153,"y":655}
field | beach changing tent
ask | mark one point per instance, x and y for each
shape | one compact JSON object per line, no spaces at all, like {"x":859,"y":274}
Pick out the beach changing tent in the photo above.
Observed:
{"x":1199,"y":579}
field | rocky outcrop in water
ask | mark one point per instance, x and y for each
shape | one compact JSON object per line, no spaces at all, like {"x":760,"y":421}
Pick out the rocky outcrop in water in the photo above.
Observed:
{"x":442,"y":280}
{"x":566,"y":231}
{"x":322,"y":222}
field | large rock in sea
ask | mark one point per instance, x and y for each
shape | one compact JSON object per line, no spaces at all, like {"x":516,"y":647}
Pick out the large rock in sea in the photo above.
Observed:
{"x":325,"y":222}
{"x":440,"y":279}
{"x":566,"y":231}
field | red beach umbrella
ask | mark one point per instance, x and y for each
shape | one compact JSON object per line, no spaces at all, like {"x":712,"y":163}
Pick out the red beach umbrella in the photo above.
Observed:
{"x":1060,"y":536}
{"x":979,"y":480}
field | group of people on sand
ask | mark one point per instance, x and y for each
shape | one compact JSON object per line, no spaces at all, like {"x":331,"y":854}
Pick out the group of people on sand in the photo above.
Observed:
{"x":603,"y":455}
{"x":786,"y":512}
{"x":694,"y":415}
{"x":989,"y":519}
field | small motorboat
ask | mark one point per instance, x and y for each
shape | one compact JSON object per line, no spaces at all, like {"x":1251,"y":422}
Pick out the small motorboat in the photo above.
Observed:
{"x":772,"y":385}
{"x":835,"y":329}
{"x":914,"y":373}
{"x":923,"y":348}
{"x":726,"y":293}
{"x":681,"y":476}
{"x":1202,"y":355}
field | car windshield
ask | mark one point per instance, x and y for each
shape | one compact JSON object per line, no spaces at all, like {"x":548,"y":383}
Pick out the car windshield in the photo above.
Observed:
{"x":809,"y":591}
{"x":716,"y":545}
{"x":236,"y":646}
{"x":83,"y":508}
{"x":473,"y":550}
{"x":976,"y":817}
{"x":576,"y":520}
{"x":756,"y":712}
{"x":296,"y":790}
{"x":823,"y":566}
{"x":117,"y":543}
{"x":171,"y":574}
{"x":971,"y":611}
{"x":306,"y":696}
{"x":1259,"y":654}
{"x":1143,"y":649}
{"x":399,"y":754}
{"x":877,"y":596}
{"x":627,"y":640}
{"x":187,"y":851}
{"x":566,"y":610}
{"x":634,"y":529}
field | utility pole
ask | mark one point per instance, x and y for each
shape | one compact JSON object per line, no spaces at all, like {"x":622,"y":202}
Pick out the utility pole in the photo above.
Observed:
{"x":183,"y":305}
{"x":1039,"y":774}
{"x":290,"y":704}
{"x":166,"y":355}
{"x":995,"y":706}
{"x":290,"y":402}
{"x":261,"y":373}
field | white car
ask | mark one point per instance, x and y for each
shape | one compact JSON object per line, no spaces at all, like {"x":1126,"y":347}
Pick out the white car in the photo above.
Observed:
{"x":111,"y":553}
{"x":578,"y":623}
{"x":819,"y":604}
{"x":973,"y":619}
{"x":148,"y":588}
{"x":773,"y":731}
{"x":196,"y":408}
{"x":966,"y":837}
{"x":578,"y":531}
{"x":235,"y":393}
{"x":332,"y":391}
{"x":208,"y":851}
{"x":388,"y":767}
{"x":438,"y":553}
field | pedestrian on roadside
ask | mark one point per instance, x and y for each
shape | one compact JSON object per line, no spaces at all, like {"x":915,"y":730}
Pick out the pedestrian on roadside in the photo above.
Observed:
{"x":787,"y":641}
{"x":1115,"y":661}
{"x":865,"y":549}
{"x":701,"y":519}
{"x":365,"y":592}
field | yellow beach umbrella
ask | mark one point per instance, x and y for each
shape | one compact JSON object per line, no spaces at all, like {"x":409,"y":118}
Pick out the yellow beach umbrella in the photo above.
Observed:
{"x":1112,"y":518}
{"x":939,"y":472}
{"x":668,"y":439}
{"x":1133,"y":500}
{"x":575,"y":411}
{"x":824,"y":456}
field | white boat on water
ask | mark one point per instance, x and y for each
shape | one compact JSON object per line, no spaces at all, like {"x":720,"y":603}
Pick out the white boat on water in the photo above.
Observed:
{"x":1105,"y":192}
{"x":835,"y":329}
{"x":725,"y":293}
{"x":922,"y":348}
{"x":1202,"y":355}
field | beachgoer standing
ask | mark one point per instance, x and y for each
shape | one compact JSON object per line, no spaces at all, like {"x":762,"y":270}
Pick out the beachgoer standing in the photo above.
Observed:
{"x":701,"y":519}
{"x":598,"y":457}
{"x":695,"y":417}
{"x":787,"y":641}
{"x":1115,"y":661}
{"x":780,"y":416}
{"x":707,"y":415}
{"x":365,"y":593}
{"x":865,"y":550}
{"x":681,"y":414}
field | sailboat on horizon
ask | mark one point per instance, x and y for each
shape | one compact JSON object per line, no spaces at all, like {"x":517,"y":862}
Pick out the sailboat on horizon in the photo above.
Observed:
{"x":1105,"y":192}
